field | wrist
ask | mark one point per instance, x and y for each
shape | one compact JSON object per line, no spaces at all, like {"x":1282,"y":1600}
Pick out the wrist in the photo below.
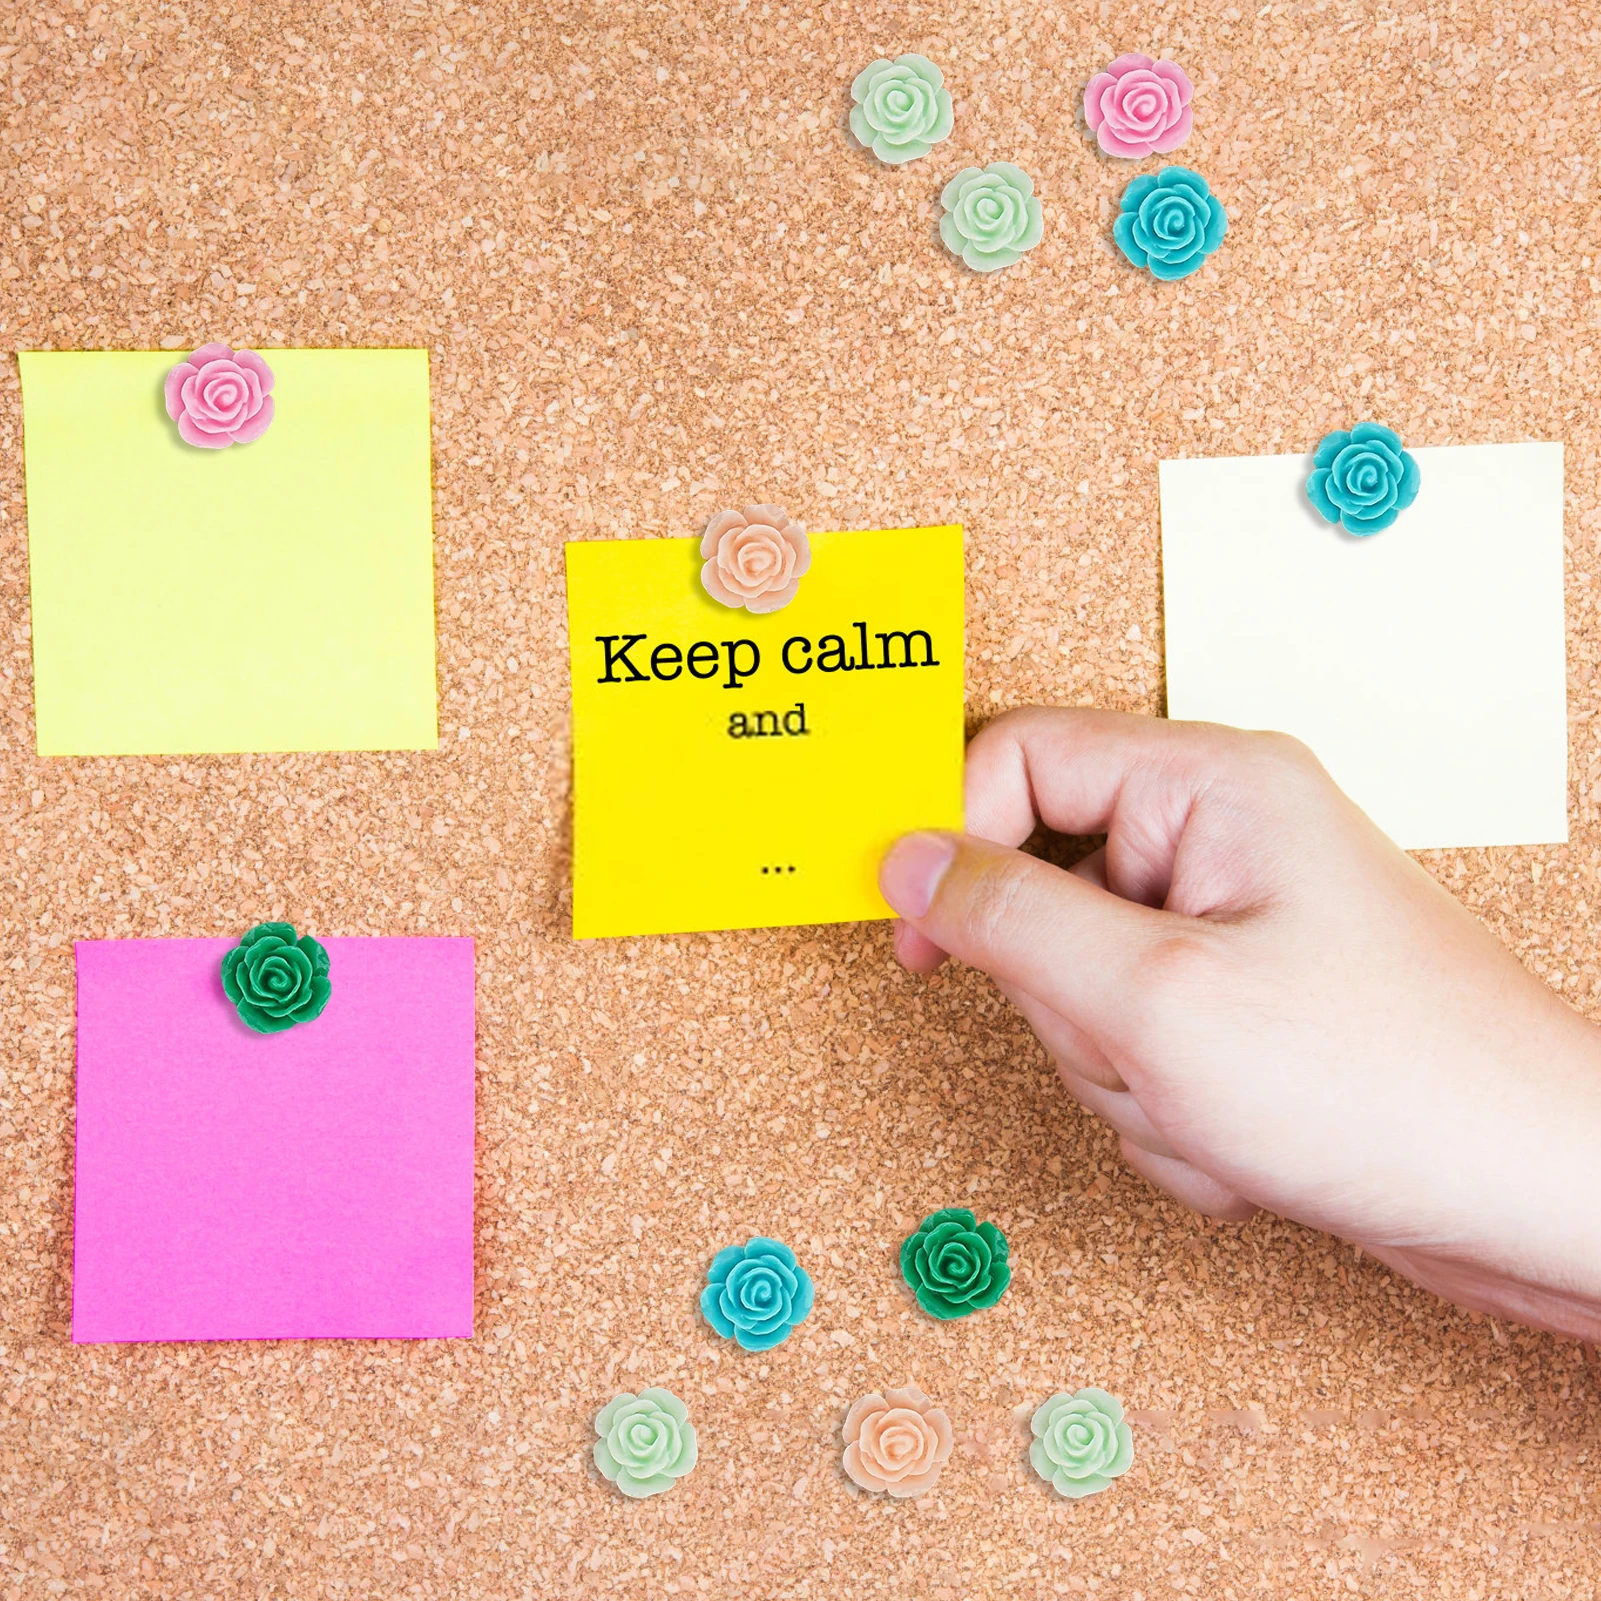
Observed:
{"x":1528,"y":1248}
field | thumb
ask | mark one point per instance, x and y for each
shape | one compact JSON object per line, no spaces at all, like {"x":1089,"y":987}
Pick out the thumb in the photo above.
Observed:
{"x":1066,"y":942}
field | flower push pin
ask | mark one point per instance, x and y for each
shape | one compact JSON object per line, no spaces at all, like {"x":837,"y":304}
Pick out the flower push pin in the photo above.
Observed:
{"x":1169,"y":222}
{"x":754,"y":558}
{"x":1139,"y":107}
{"x":1363,"y":480}
{"x":220,"y":396}
{"x":1081,"y":1442}
{"x":992,"y":216}
{"x":902,"y":108}
{"x":954,"y":1264}
{"x":276,"y":980}
{"x":756,"y":1293}
{"x":647,"y":1443}
{"x":896,"y":1441}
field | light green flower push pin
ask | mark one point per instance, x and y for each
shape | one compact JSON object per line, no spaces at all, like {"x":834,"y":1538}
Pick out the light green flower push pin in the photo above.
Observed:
{"x":1081,"y":1442}
{"x":902,"y":110}
{"x":991,"y":216}
{"x":646,"y":1444}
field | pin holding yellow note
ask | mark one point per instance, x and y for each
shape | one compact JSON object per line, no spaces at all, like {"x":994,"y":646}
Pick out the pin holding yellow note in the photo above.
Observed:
{"x":735,"y":770}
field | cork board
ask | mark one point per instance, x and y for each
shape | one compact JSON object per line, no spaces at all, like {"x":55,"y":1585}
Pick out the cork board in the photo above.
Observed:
{"x":654,"y":281}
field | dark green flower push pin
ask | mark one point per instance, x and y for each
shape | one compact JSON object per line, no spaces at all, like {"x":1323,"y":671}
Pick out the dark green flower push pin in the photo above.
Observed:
{"x":955,"y":1264}
{"x":276,"y":980}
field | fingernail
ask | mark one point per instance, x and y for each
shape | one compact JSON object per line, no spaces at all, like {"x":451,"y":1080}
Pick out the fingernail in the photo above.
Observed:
{"x":910,"y":874}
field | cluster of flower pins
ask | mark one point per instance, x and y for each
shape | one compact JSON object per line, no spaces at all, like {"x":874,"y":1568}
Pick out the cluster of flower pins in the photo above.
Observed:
{"x":1168,"y":222}
{"x":896,"y":1440}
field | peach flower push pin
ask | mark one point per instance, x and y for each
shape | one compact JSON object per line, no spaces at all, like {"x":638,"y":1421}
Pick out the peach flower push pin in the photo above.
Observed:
{"x":897,"y":1441}
{"x":220,"y":396}
{"x":754,"y":558}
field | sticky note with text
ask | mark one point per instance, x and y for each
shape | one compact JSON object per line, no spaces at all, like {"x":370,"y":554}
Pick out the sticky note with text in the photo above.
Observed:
{"x":733,"y":770}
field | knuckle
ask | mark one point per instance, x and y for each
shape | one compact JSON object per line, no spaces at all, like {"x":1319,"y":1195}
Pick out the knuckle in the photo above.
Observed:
{"x":1180,"y":977}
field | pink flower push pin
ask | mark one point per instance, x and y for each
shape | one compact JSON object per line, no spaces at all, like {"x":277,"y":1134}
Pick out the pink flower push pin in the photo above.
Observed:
{"x":220,"y":397}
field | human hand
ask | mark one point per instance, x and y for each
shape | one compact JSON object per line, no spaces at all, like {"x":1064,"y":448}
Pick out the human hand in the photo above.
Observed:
{"x":1272,"y":1004}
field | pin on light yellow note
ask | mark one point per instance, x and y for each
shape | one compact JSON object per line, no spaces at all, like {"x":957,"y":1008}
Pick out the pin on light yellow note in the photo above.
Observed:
{"x":272,"y":596}
{"x":732,"y":770}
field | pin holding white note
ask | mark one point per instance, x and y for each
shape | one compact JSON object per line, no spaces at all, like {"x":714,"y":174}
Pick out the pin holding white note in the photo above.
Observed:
{"x":1425,"y":665}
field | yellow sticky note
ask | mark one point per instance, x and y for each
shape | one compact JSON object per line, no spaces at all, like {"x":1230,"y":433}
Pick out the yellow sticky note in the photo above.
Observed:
{"x":740,"y":771}
{"x":270,"y":596}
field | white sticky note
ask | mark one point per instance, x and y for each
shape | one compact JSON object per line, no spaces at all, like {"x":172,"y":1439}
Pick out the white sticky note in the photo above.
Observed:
{"x":1425,"y":665}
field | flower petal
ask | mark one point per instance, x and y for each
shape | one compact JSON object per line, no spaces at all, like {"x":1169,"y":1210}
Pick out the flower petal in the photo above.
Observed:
{"x":1361,"y":526}
{"x":712,"y":1310}
{"x":805,"y":1295}
{"x":862,"y":86}
{"x":721,"y":524}
{"x":1177,"y":76}
{"x":1374,"y":433}
{"x":774,"y":599}
{"x":753,"y":1340}
{"x":1138,"y":189}
{"x":1075,"y":1489}
{"x":1330,"y":448}
{"x":1094,"y":93}
{"x":667,"y":1402}
{"x":1317,"y":491}
{"x":1175,"y":135}
{"x":717,"y":589}
{"x":173,"y":388}
{"x":254,"y":427}
{"x":1123,"y":236}
{"x":1411,"y":478}
{"x":1168,"y":271}
{"x":192,"y":434}
{"x":724,"y":1262}
{"x":1176,"y":177}
{"x":1115,"y":144}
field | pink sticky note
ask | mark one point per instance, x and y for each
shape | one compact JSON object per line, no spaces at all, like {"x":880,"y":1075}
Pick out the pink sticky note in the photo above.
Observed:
{"x":316,"y":1183}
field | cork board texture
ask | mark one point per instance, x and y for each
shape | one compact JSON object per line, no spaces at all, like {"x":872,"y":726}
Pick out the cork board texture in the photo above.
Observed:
{"x":654,"y":279}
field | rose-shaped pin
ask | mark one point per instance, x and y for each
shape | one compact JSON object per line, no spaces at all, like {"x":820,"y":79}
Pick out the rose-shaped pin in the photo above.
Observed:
{"x":1139,"y":107}
{"x":220,"y":397}
{"x":1081,"y":1442}
{"x":646,"y":1444}
{"x":1362,"y":480}
{"x":955,"y":1264}
{"x":903,"y":108}
{"x":756,"y":1293}
{"x":991,"y":216}
{"x":754,"y":558}
{"x":897,"y":1441}
{"x":275,"y":980}
{"x":1170,"y":222}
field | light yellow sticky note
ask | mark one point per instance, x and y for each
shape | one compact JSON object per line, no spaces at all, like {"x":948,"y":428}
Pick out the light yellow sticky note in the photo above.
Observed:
{"x":270,"y":596}
{"x":741,"y":771}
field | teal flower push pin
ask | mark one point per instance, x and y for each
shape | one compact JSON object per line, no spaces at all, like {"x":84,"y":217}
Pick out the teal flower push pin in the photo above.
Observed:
{"x":1169,"y":223}
{"x":1363,"y":480}
{"x":756,"y":1293}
